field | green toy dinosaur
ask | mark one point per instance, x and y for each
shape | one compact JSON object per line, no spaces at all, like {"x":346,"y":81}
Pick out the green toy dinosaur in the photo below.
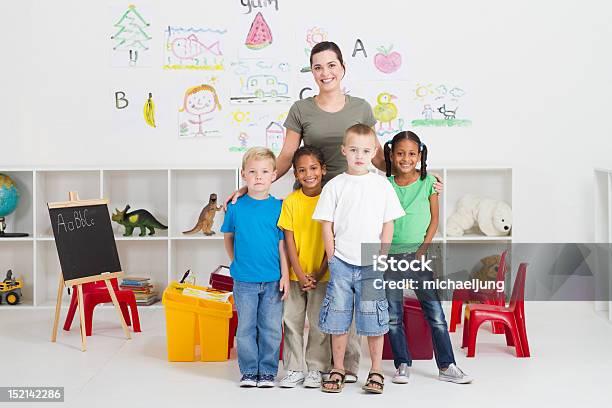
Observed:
{"x":139,"y":218}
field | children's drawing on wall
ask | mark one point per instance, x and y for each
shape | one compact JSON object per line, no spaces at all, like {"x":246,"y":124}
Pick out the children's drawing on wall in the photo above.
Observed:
{"x":440,"y":105}
{"x":131,"y":37}
{"x":262,"y":28}
{"x":260,"y":35}
{"x":199,"y":112}
{"x":261,"y":128}
{"x":386,"y":113}
{"x":314,"y":36}
{"x":257,"y":82}
{"x":133,"y":108}
{"x":194,"y":48}
{"x":149,"y":111}
{"x":387,"y":60}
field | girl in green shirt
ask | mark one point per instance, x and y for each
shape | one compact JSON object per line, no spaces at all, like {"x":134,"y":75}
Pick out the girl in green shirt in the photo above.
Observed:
{"x":412,"y":235}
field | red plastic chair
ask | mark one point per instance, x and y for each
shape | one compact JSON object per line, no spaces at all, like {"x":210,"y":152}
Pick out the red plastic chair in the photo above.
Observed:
{"x":95,"y":293}
{"x":512,"y":318}
{"x":489,"y":297}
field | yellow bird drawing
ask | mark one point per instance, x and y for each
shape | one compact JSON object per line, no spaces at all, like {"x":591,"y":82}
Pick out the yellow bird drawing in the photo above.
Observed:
{"x":385,"y":111}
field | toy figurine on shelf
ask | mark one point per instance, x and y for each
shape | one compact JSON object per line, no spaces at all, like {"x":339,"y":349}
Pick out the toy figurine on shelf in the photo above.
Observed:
{"x":138,"y":218}
{"x":207,"y":217}
{"x":10,"y":289}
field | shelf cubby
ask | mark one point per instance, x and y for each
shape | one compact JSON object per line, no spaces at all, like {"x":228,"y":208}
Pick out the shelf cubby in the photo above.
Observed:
{"x":140,"y":189}
{"x":22,"y":220}
{"x":18,"y":256}
{"x":145,"y":259}
{"x":200,"y":257}
{"x":190,"y":192}
{"x":495,"y":183}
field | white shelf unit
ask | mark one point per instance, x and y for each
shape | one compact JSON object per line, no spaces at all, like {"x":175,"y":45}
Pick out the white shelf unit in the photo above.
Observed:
{"x":603,"y":233}
{"x":463,"y":253}
{"x":175,"y":196}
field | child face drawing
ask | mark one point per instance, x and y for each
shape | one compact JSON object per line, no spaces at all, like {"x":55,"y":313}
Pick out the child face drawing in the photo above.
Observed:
{"x":405,"y":156}
{"x":309,"y":172}
{"x":200,"y":103}
{"x":259,"y":175}
{"x":359,"y":150}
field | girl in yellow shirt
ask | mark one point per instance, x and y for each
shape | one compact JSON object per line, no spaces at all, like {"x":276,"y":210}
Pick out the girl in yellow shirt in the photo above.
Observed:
{"x":308,"y":274}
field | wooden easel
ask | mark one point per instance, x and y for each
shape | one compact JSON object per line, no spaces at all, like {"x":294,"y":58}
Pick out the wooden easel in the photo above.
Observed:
{"x":106,"y":277}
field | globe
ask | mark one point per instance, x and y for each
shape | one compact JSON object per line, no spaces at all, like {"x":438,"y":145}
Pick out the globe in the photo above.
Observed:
{"x":9,"y":195}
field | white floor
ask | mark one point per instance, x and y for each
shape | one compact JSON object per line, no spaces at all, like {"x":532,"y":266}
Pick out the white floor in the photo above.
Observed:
{"x":571,"y":363}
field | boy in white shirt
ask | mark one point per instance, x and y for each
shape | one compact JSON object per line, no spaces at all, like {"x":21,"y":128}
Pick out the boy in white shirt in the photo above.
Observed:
{"x":355,"y":208}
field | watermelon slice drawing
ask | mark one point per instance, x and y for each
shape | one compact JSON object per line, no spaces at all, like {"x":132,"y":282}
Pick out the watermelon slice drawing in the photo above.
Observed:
{"x":259,"y":35}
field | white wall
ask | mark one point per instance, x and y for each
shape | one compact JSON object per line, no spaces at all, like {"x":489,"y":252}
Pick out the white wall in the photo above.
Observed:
{"x":538,"y":73}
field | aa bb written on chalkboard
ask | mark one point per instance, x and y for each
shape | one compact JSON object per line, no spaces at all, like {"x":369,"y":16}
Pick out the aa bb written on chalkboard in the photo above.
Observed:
{"x":85,"y":241}
{"x":80,"y":220}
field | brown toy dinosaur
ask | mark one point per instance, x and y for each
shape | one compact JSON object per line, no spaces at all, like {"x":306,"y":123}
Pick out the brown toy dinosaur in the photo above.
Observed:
{"x":206,"y":218}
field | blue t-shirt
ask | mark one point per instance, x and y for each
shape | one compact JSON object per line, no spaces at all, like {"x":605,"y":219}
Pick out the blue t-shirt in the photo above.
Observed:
{"x":256,"y":236}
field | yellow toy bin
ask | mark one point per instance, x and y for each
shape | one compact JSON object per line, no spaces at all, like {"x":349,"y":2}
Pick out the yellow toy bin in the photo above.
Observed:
{"x":192,"y":321}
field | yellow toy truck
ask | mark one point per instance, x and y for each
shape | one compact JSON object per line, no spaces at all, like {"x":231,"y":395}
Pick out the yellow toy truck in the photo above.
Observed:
{"x":10,"y":289}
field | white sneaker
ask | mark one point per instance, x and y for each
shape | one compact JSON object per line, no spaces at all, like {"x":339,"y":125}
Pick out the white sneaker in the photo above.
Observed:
{"x":401,"y":374}
{"x":292,"y":379}
{"x":454,"y":374}
{"x":313,"y":379}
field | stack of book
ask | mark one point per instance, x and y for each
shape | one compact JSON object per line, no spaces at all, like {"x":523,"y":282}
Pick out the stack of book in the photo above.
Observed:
{"x":143,"y":289}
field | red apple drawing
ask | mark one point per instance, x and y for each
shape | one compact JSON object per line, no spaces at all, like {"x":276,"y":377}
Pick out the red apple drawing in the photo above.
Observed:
{"x":386,"y":61}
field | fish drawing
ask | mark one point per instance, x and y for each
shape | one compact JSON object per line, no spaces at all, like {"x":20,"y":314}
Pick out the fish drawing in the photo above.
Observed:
{"x":190,"y":47}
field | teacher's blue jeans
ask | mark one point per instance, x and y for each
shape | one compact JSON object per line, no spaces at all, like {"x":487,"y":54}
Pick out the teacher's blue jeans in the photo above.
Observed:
{"x":259,"y":333}
{"x":432,"y":309}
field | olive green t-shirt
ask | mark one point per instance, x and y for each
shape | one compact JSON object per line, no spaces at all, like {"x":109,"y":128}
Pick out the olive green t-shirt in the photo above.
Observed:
{"x":325,"y":130}
{"x":409,"y":231}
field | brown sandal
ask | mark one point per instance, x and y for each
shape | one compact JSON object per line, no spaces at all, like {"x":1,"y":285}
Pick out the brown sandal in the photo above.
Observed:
{"x":373,"y":386}
{"x":337,"y":382}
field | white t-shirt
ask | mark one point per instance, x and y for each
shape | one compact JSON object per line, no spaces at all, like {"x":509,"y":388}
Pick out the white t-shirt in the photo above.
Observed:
{"x":358,"y":206}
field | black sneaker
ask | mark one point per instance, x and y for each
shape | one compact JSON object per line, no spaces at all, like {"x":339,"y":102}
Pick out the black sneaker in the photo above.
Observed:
{"x":248,"y":380}
{"x":265,"y":381}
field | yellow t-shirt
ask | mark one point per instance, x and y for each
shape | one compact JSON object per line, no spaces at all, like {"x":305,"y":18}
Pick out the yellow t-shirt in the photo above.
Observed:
{"x":296,"y":216}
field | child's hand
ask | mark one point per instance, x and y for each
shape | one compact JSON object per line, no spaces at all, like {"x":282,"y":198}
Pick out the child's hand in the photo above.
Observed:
{"x":419,"y":254}
{"x":310,"y":283}
{"x":304,"y":281}
{"x":438,"y":185}
{"x":313,"y":282}
{"x":283,"y":286}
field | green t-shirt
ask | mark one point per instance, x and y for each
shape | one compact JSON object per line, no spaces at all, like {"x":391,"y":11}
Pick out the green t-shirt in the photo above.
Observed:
{"x":409,"y":231}
{"x":325,"y":130}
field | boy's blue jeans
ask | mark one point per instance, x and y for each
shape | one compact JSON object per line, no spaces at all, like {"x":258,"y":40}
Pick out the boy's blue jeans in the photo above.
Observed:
{"x":259,"y":333}
{"x":432,"y":309}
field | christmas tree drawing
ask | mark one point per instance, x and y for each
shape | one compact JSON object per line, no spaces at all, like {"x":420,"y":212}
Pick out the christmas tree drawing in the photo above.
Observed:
{"x":131,"y":35}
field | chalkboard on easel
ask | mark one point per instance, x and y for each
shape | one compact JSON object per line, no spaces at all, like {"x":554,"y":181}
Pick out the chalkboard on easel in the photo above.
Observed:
{"x":87,"y":252}
{"x":84,"y":239}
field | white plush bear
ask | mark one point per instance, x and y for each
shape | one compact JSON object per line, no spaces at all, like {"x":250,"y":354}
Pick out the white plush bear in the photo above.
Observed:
{"x":493,"y":217}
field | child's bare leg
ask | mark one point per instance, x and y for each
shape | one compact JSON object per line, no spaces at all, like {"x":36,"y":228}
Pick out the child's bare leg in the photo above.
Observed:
{"x":375,"y":345}
{"x":338,"y":348}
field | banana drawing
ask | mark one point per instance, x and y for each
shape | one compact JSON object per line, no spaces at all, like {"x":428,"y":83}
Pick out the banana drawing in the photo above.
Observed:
{"x":149,"y":111}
